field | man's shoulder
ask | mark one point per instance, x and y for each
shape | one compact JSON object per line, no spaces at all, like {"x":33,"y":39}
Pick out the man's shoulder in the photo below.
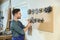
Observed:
{"x":13,"y":22}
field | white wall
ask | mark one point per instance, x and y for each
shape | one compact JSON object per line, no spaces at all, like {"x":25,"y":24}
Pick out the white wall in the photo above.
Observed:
{"x":40,"y":3}
{"x":57,"y":22}
{"x":44,"y":3}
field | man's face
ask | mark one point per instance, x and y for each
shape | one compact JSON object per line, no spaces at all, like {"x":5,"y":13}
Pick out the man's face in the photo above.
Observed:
{"x":18,"y":15}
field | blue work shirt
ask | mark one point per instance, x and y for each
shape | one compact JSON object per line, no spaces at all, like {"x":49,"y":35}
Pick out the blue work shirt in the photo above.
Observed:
{"x":17,"y":30}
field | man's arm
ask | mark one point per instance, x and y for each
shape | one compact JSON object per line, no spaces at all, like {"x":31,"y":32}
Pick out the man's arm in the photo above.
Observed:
{"x":27,"y":27}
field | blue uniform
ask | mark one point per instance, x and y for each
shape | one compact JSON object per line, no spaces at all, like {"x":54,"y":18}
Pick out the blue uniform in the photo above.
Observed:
{"x":17,"y":30}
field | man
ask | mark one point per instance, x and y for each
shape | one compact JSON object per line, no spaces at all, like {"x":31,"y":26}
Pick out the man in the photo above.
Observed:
{"x":17,"y":28}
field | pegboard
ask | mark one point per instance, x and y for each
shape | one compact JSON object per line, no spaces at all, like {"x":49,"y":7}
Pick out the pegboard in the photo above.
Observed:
{"x":43,"y":17}
{"x":47,"y":25}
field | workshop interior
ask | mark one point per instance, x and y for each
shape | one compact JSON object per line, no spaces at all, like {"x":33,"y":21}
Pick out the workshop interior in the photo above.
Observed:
{"x":43,"y":14}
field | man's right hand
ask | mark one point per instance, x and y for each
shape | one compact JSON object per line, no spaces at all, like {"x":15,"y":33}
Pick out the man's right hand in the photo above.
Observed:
{"x":28,"y":26}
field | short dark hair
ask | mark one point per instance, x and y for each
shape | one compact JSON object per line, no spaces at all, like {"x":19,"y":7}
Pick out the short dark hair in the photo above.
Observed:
{"x":15,"y":11}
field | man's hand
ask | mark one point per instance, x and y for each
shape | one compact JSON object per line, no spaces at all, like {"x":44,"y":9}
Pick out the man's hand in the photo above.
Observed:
{"x":28,"y":26}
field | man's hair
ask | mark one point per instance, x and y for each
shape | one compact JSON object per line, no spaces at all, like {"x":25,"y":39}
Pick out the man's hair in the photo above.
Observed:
{"x":15,"y":11}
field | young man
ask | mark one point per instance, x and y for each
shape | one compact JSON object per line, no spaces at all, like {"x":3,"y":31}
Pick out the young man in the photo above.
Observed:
{"x":17,"y":28}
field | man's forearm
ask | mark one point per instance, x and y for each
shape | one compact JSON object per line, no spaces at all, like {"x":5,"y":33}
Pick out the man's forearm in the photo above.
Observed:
{"x":26,"y":28}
